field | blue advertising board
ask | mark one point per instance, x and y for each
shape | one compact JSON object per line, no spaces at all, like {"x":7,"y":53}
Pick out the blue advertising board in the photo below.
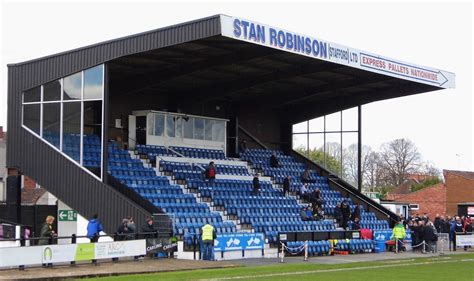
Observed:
{"x":239,"y":242}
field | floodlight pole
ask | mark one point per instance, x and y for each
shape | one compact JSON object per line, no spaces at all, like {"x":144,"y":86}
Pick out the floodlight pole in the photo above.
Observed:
{"x":359,"y":148}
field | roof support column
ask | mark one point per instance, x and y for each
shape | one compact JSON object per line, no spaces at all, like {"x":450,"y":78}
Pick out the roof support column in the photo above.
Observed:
{"x":359,"y":148}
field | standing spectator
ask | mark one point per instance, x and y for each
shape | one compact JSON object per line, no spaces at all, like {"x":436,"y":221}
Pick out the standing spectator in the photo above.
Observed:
{"x":274,"y":161}
{"x":429,"y":236}
{"x":286,"y":185}
{"x":211,"y":173}
{"x":356,"y":214}
{"x":256,"y":185}
{"x":399,"y":234}
{"x":208,"y":235}
{"x":338,"y":213}
{"x":94,"y":227}
{"x":467,"y":228}
{"x":148,"y":229}
{"x":306,"y":178}
{"x":242,"y":147}
{"x":456,"y":227}
{"x":47,"y":233}
{"x":346,"y":214}
{"x":421,"y":233}
{"x":437,"y":223}
{"x":444,"y":225}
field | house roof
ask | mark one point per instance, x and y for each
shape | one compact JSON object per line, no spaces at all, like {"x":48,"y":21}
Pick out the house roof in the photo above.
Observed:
{"x":464,"y":174}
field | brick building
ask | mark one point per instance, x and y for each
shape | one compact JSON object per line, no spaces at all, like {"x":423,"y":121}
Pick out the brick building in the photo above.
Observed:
{"x":459,"y":189}
{"x":430,"y":200}
{"x":442,"y":198}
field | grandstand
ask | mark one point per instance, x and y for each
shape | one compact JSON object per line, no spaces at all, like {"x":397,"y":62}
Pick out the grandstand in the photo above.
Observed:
{"x":127,"y":127}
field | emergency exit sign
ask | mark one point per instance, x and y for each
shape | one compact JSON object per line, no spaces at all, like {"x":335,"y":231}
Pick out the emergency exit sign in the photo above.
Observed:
{"x":67,"y":215}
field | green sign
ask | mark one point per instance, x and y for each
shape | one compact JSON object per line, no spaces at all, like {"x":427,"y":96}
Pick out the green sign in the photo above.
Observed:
{"x":67,"y":215}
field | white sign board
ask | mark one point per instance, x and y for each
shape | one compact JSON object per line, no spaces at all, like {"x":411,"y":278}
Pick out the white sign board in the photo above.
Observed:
{"x":35,"y":255}
{"x":277,"y":38}
{"x":464,"y":240}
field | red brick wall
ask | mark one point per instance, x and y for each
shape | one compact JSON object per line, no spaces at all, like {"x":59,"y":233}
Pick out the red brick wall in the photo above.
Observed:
{"x":29,"y":183}
{"x":459,"y":189}
{"x":431,"y":200}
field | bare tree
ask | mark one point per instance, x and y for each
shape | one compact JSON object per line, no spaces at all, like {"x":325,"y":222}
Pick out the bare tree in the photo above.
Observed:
{"x":351,"y":163}
{"x":399,"y":158}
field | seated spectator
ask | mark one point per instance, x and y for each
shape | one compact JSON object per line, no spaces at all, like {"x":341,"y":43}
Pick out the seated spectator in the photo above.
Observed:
{"x":123,"y":231}
{"x":316,"y":197}
{"x":356,"y":224}
{"x":356,"y":213}
{"x":303,"y":214}
{"x":305,"y":178}
{"x":304,"y":191}
{"x":274,"y":161}
{"x":309,"y":213}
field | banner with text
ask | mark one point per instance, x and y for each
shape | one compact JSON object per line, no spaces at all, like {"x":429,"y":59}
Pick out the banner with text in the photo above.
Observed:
{"x":277,"y":38}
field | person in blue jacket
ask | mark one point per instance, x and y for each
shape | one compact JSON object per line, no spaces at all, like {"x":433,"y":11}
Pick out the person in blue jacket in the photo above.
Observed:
{"x":94,"y":227}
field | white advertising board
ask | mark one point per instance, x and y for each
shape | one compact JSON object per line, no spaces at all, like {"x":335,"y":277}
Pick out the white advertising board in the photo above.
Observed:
{"x":464,"y":240}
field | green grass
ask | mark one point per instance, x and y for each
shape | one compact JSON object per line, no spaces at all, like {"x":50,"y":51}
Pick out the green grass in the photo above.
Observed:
{"x":455,"y":267}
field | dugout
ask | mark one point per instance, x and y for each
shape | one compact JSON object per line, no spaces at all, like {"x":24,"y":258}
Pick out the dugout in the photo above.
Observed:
{"x":259,"y":79}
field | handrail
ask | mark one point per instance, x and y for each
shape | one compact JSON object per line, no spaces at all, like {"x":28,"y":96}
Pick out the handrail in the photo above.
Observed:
{"x":136,"y":234}
{"x":253,"y":137}
{"x":363,"y":199}
{"x":189,"y":160}
{"x":371,"y":203}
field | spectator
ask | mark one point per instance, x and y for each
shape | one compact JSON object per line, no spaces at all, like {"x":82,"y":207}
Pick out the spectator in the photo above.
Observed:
{"x":47,"y":233}
{"x":306,"y":177}
{"x":356,"y":224}
{"x":338,"y":213}
{"x":309,"y":213}
{"x":208,"y":235}
{"x":274,"y":161}
{"x":444,"y":225}
{"x":437,"y":223}
{"x":148,"y":229}
{"x":318,"y":212}
{"x":242,"y":147}
{"x":94,"y":227}
{"x":421,"y":233}
{"x":304,"y":191}
{"x":429,"y":236}
{"x":316,"y":197}
{"x":211,"y":173}
{"x":346,"y":214}
{"x":456,"y":227}
{"x":398,"y":233}
{"x":356,"y":213}
{"x":286,"y":185}
{"x":132,"y":228}
{"x":256,"y":185}
{"x":467,"y":228}
{"x":303,"y":215}
{"x":123,"y":231}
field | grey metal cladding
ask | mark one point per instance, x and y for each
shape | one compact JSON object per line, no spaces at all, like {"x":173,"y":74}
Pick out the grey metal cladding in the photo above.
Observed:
{"x":44,"y":164}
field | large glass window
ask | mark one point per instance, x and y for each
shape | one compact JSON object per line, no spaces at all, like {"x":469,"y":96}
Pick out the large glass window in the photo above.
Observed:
{"x":31,"y":117}
{"x":159,"y":124}
{"x":331,"y":141}
{"x":93,"y":82}
{"x":92,"y":139}
{"x":72,"y":87}
{"x":218,"y":131}
{"x":72,"y":129}
{"x":170,"y":126}
{"x":198,"y":128}
{"x":208,"y":129}
{"x":52,"y":123}
{"x":67,"y":113}
{"x":52,"y":91}
{"x":32,"y":95}
{"x":188,"y":128}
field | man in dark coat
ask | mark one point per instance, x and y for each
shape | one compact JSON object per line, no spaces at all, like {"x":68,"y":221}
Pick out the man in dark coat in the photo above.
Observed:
{"x":338,"y":213}
{"x":356,"y":214}
{"x":286,"y":185}
{"x":346,"y":213}
{"x":274,"y":161}
{"x":256,"y":185}
{"x":437,"y":223}
{"x":429,"y":236}
{"x":149,"y":229}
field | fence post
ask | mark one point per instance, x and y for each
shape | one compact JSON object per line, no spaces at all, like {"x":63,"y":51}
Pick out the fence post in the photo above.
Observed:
{"x":282,"y":252}
{"x":73,"y":241}
{"x":306,"y":251}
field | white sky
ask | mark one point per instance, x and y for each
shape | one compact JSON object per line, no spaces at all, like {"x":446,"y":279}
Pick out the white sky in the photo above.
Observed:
{"x":438,"y":35}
